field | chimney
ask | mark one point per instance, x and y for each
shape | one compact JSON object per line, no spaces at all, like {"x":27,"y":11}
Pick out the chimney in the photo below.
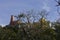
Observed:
{"x":12,"y":20}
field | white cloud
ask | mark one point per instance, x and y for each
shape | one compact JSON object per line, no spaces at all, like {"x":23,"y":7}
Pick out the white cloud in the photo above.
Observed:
{"x":3,"y":25}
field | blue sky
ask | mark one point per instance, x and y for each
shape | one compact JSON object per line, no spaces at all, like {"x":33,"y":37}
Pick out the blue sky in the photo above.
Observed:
{"x":14,"y":7}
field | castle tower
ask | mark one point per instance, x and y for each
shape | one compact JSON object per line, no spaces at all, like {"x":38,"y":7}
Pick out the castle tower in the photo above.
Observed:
{"x":12,"y":20}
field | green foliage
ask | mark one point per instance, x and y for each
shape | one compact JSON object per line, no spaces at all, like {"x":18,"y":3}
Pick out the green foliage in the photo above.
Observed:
{"x":57,"y":26}
{"x":25,"y":33}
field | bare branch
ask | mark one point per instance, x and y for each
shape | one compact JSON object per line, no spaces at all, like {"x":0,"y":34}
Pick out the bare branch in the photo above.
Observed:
{"x":58,"y":10}
{"x":58,"y":1}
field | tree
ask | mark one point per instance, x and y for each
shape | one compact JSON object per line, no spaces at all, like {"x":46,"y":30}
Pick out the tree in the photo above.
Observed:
{"x":21,"y":15}
{"x":58,"y":1}
{"x":57,"y":29}
{"x":43,"y":14}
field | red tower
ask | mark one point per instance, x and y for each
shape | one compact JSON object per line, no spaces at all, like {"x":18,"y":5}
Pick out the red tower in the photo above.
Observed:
{"x":12,"y":20}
